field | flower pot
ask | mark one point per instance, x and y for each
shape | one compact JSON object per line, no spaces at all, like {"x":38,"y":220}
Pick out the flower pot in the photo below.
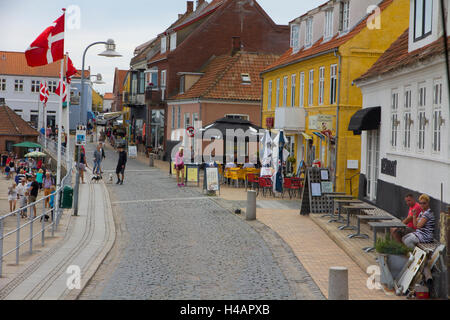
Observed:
{"x":390,"y":267}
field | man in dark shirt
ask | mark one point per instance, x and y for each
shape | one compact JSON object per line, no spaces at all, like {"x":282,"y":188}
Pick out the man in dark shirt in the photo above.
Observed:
{"x":121,"y":164}
{"x":33,"y":192}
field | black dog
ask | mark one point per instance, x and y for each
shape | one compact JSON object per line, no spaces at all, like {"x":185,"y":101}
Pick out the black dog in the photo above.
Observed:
{"x":97,"y":178}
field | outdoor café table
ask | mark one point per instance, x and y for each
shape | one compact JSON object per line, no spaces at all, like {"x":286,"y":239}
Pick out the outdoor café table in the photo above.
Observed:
{"x":355,"y":207}
{"x":382,"y":225}
{"x":368,"y":218}
{"x":333,"y":195}
{"x":344,"y":200}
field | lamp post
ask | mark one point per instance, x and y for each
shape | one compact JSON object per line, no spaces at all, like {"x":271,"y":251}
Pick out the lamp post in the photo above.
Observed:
{"x":111,"y":53}
{"x":149,"y":117}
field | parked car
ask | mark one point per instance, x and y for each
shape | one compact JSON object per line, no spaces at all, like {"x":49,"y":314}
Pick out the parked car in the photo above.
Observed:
{"x":101,"y":121}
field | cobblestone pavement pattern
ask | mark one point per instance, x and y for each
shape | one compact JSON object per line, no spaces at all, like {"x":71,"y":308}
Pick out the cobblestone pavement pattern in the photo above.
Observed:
{"x":181,"y":246}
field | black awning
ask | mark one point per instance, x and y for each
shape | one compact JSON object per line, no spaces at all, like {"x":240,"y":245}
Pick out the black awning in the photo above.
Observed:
{"x":365,"y":119}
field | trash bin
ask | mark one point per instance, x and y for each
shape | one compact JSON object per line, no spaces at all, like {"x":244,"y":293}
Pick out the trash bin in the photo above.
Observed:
{"x":67,"y":198}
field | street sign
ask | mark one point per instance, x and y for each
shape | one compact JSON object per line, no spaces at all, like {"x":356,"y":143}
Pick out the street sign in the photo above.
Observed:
{"x":191,"y":131}
{"x":81,"y":136}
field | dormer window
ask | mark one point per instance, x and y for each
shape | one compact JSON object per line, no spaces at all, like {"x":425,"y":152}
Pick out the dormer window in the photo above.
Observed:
{"x":423,"y":15}
{"x":246,"y":78}
{"x":295,"y":37}
{"x":173,"y":41}
{"x":309,"y":32}
{"x":328,"y":32}
{"x":344,"y":19}
{"x":163,"y":44}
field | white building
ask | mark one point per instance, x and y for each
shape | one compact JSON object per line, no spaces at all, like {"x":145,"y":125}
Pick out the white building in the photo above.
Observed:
{"x":405,"y":121}
{"x":108,"y":99}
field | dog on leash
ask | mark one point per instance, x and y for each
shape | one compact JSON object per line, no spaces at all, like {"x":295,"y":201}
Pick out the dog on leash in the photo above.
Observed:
{"x":110,"y":180}
{"x":97,"y":178}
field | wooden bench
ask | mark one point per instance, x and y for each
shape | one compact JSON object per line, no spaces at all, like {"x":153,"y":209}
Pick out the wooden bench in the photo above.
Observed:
{"x":382,"y":225}
{"x":429,"y":247}
{"x":352,"y":208}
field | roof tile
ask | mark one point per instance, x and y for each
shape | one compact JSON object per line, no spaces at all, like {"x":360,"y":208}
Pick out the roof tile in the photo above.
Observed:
{"x":12,"y":124}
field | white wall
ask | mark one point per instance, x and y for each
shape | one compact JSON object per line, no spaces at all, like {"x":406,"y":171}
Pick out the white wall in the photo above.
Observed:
{"x":107,"y":104}
{"x":422,"y":172}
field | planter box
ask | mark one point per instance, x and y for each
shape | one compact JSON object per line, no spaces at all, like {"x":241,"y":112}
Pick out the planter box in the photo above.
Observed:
{"x":390,"y":267}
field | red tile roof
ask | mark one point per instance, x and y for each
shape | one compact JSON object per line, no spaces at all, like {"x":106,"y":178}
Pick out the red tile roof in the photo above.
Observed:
{"x":15,"y":63}
{"x":397,"y":56}
{"x":222,"y":78}
{"x":108,"y":96}
{"x":199,"y":14}
{"x":12,"y":124}
{"x":321,"y":47}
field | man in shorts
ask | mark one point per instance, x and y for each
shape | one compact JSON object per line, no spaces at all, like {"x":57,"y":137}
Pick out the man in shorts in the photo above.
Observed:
{"x":120,"y":170}
{"x":414,"y":207}
{"x":33,"y":193}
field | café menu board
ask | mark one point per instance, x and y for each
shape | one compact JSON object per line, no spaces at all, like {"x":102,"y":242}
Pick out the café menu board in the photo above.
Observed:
{"x":212,"y":179}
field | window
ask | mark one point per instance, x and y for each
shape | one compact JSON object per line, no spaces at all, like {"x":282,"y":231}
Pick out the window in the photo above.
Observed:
{"x":269,"y":96}
{"x":278,"y":93}
{"x":344,"y":19}
{"x":134,"y":83}
{"x":35,"y":85}
{"x":173,"y":117}
{"x":309,"y":32}
{"x":437,"y":116}
{"x":52,"y":86}
{"x":421,"y":118}
{"x":423,"y":15}
{"x":2,"y":84}
{"x":328,"y":32}
{"x":141,"y":85}
{"x":333,"y":83}
{"x":394,"y":119}
{"x":194,"y":118}
{"x":237,"y":116}
{"x":163,"y":78}
{"x":18,"y":85}
{"x":182,"y":81}
{"x":173,"y":41}
{"x":246,"y":78}
{"x":408,"y":120}
{"x":179,"y":117}
{"x":321,"y":84}
{"x":152,"y":78}
{"x":311,"y":88}
{"x":293,"y":83}
{"x":295,"y":37}
{"x":373,"y":158}
{"x":187,"y":122}
{"x":163,"y":44}
{"x":302,"y":90}
{"x":285,"y":89}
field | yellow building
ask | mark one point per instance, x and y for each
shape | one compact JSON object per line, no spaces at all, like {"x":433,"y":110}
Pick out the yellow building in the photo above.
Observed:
{"x":97,"y":101}
{"x":309,"y":91}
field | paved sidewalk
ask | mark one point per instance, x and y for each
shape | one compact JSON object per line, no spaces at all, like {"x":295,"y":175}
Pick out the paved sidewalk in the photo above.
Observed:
{"x":88,"y":239}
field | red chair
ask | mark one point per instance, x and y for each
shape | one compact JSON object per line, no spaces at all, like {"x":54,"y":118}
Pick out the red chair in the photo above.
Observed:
{"x":265,"y":183}
{"x":252,"y":180}
{"x":292,"y":185}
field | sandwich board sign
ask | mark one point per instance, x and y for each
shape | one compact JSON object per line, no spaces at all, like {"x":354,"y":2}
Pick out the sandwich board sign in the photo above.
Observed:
{"x":80,"y":136}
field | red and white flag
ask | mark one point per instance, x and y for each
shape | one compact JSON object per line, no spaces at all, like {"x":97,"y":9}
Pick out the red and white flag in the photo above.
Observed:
{"x":71,"y":70}
{"x":58,"y":90}
{"x":44,"y":93}
{"x":49,"y":46}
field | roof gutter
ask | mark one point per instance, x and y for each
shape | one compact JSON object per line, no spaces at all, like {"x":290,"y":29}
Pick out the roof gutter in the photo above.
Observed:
{"x":300,"y":60}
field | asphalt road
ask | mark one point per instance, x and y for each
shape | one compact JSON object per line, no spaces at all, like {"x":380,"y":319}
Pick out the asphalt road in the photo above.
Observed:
{"x":178,"y":244}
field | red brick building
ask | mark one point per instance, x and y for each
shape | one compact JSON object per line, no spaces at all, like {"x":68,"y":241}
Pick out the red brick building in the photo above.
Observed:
{"x":119,"y":77}
{"x":212,"y":30}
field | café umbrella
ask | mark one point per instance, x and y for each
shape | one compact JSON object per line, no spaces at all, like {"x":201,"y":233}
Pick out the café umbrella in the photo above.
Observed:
{"x":279,"y":154}
{"x":266,"y":163}
{"x":35,"y":154}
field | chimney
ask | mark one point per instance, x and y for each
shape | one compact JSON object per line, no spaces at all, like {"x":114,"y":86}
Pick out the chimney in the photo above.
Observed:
{"x":189,"y":6}
{"x":236,"y":45}
{"x":199,"y":3}
{"x":180,"y":15}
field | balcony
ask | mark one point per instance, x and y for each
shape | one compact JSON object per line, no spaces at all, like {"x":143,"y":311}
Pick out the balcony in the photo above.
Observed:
{"x":153,"y":97}
{"x":133,"y":100}
{"x":290,"y":119}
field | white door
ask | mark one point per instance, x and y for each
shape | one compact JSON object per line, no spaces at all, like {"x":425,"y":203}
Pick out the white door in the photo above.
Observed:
{"x":373,"y":159}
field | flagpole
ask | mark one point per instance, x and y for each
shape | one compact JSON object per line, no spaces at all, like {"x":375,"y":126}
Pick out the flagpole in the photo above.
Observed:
{"x":67,"y":117}
{"x":44,"y":111}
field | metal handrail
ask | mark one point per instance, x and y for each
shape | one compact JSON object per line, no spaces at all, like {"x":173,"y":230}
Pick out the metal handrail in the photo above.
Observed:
{"x":57,"y":212}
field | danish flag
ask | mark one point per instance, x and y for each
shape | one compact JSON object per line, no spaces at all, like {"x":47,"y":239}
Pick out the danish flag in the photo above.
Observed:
{"x":49,"y":46}
{"x":44,"y":93}
{"x":58,"y":90}
{"x":71,"y":70}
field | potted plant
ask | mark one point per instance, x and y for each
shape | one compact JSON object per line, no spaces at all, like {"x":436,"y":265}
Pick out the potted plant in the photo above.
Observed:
{"x":392,"y":257}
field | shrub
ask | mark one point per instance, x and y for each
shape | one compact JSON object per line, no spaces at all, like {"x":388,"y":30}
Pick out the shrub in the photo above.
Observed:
{"x":391,"y":246}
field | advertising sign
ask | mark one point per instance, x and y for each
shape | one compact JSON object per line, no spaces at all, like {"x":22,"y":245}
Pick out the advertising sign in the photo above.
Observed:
{"x":132,"y":152}
{"x":80,"y":136}
{"x":212,"y":179}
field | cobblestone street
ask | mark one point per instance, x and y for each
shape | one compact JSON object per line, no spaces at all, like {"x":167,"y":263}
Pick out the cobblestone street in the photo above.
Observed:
{"x":179,"y":244}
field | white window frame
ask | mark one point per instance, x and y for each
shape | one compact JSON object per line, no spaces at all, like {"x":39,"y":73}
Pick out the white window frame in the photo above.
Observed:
{"x":187,"y":120}
{"x":328,"y":31}
{"x":321,"y":85}
{"x":278,"y":93}
{"x":333,"y":83}
{"x":311,"y":88}
{"x":437,"y":117}
{"x":35,"y":86}
{"x":285,"y":90}
{"x":18,"y":85}
{"x":163,"y":78}
{"x":301,"y":96}
{"x":344,"y":19}
{"x":182,"y":83}
{"x":426,"y":12}
{"x":309,"y":32}
{"x":269,"y":95}
{"x":2,"y":84}
{"x":421,"y":117}
{"x":163,"y":44}
{"x":372,"y":163}
{"x":173,"y":117}
{"x":295,"y":37}
{"x":179,"y":118}
{"x":173,"y":41}
{"x":394,"y":119}
{"x":293,"y":88}
{"x":52,"y":85}
{"x":407,"y":119}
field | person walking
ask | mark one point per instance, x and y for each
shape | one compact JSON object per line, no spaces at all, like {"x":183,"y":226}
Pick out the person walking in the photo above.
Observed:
{"x":40,"y":177}
{"x":22,"y":196}
{"x":47,"y":183}
{"x":103,"y":156}
{"x":120,"y":170}
{"x":12,"y":197}
{"x":33,"y":193}
{"x":83,"y":165}
{"x":179,"y":166}
{"x":97,"y":160}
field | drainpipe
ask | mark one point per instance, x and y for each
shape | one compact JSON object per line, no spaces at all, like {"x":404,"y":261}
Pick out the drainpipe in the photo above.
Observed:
{"x":262,"y":101}
{"x":338,"y":101}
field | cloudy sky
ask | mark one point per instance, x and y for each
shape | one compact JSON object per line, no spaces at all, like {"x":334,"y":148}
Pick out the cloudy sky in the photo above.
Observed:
{"x":129,"y":23}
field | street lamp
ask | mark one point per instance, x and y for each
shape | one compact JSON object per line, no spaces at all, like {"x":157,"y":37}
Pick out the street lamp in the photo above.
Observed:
{"x":111,"y":53}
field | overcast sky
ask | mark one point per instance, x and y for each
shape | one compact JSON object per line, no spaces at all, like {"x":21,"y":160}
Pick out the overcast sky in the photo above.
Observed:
{"x":129,"y":23}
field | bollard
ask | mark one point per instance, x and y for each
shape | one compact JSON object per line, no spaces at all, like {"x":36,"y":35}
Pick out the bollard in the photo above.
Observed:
{"x":152,"y":160}
{"x":250,"y":213}
{"x":338,"y":283}
{"x":1,"y":245}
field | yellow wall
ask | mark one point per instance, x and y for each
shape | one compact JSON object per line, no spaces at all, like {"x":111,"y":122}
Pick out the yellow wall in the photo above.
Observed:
{"x":357,"y":56}
{"x":97,"y":101}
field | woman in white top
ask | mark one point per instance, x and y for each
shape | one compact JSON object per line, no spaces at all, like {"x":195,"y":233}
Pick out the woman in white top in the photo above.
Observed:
{"x":12,"y":197}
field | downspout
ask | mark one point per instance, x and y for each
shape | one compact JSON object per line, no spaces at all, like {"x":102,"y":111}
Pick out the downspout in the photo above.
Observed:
{"x":262,"y":100}
{"x":338,"y":101}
